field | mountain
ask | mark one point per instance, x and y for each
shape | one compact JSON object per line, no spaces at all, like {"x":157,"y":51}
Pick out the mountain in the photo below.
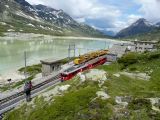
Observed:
{"x":158,"y":24}
{"x":20,"y":16}
{"x":139,"y":27}
{"x":108,"y":33}
{"x":150,"y":36}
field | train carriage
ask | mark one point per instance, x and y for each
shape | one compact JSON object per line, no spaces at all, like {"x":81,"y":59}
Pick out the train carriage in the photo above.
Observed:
{"x":85,"y":62}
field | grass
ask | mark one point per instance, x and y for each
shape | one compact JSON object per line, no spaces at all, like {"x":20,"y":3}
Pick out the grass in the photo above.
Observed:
{"x":1,"y":34}
{"x":66,"y":60}
{"x":112,"y":68}
{"x":3,"y":28}
{"x":124,"y":86}
{"x":32,"y":70}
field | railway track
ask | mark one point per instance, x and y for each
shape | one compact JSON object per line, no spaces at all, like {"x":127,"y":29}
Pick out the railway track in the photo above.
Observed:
{"x":10,"y":102}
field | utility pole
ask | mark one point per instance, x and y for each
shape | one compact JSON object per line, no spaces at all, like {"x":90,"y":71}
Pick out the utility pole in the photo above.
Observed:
{"x":79,"y":51}
{"x":74,"y":50}
{"x":69,"y":49}
{"x":25,"y":63}
{"x":72,"y":47}
{"x":105,"y":45}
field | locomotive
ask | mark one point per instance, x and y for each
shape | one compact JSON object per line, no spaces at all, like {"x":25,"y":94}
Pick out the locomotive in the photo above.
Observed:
{"x":85,"y":62}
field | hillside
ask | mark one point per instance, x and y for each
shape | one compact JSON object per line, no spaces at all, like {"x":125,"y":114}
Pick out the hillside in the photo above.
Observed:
{"x":154,"y":35}
{"x":20,"y":16}
{"x":128,"y":89}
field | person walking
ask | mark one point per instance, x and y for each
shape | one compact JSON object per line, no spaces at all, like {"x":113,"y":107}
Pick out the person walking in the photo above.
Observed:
{"x":27,"y":90}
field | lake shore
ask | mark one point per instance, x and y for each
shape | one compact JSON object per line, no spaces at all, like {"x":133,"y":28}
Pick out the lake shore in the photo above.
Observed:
{"x":29,"y":36}
{"x":15,"y":76}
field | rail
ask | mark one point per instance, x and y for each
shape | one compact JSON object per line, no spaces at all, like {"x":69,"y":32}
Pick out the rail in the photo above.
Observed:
{"x":6,"y":102}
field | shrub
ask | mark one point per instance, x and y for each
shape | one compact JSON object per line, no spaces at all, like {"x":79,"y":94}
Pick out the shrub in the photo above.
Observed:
{"x":133,"y":69}
{"x":32,"y":70}
{"x":138,"y":104}
{"x":154,"y":55}
{"x":128,"y":59}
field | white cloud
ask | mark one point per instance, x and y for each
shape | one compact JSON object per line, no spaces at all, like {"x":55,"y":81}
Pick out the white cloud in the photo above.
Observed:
{"x":98,"y":14}
{"x":81,"y":20}
{"x":133,"y":18}
{"x":106,"y":16}
{"x":150,"y":9}
{"x":35,"y":2}
{"x":119,"y":24}
{"x":92,"y":9}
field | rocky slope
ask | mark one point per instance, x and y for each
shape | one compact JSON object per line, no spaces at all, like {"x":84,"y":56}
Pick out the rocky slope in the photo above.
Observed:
{"x":20,"y":16}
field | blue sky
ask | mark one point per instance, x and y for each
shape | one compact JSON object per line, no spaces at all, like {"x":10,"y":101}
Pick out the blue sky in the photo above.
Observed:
{"x":111,"y":15}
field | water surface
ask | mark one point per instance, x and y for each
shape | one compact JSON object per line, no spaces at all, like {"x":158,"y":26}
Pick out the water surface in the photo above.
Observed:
{"x":38,"y":48}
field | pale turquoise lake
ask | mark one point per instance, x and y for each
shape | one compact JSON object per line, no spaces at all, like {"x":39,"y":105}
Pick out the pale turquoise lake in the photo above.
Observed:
{"x":12,"y":50}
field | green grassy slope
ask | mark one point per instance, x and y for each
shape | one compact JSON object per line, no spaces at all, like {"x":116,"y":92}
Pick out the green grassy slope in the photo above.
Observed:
{"x":20,"y":24}
{"x":147,"y":63}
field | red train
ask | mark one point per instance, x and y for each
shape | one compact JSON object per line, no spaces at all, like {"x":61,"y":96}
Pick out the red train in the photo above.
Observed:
{"x":71,"y":72}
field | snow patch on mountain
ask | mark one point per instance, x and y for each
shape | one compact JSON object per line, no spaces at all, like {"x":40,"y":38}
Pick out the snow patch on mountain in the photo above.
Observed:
{"x":3,"y":23}
{"x":30,"y":25}
{"x":20,"y":13}
{"x":7,"y":6}
{"x":10,"y":30}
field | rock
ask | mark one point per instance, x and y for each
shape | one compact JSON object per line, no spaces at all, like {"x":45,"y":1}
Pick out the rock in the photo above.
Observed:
{"x":97,"y":75}
{"x":63,"y":88}
{"x":58,"y":90}
{"x":155,"y":100}
{"x":102,"y":95}
{"x":10,"y":30}
{"x":137,"y":75}
{"x":122,"y":101}
{"x":117,"y":75}
{"x":82,"y":77}
{"x":155,"y":103}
